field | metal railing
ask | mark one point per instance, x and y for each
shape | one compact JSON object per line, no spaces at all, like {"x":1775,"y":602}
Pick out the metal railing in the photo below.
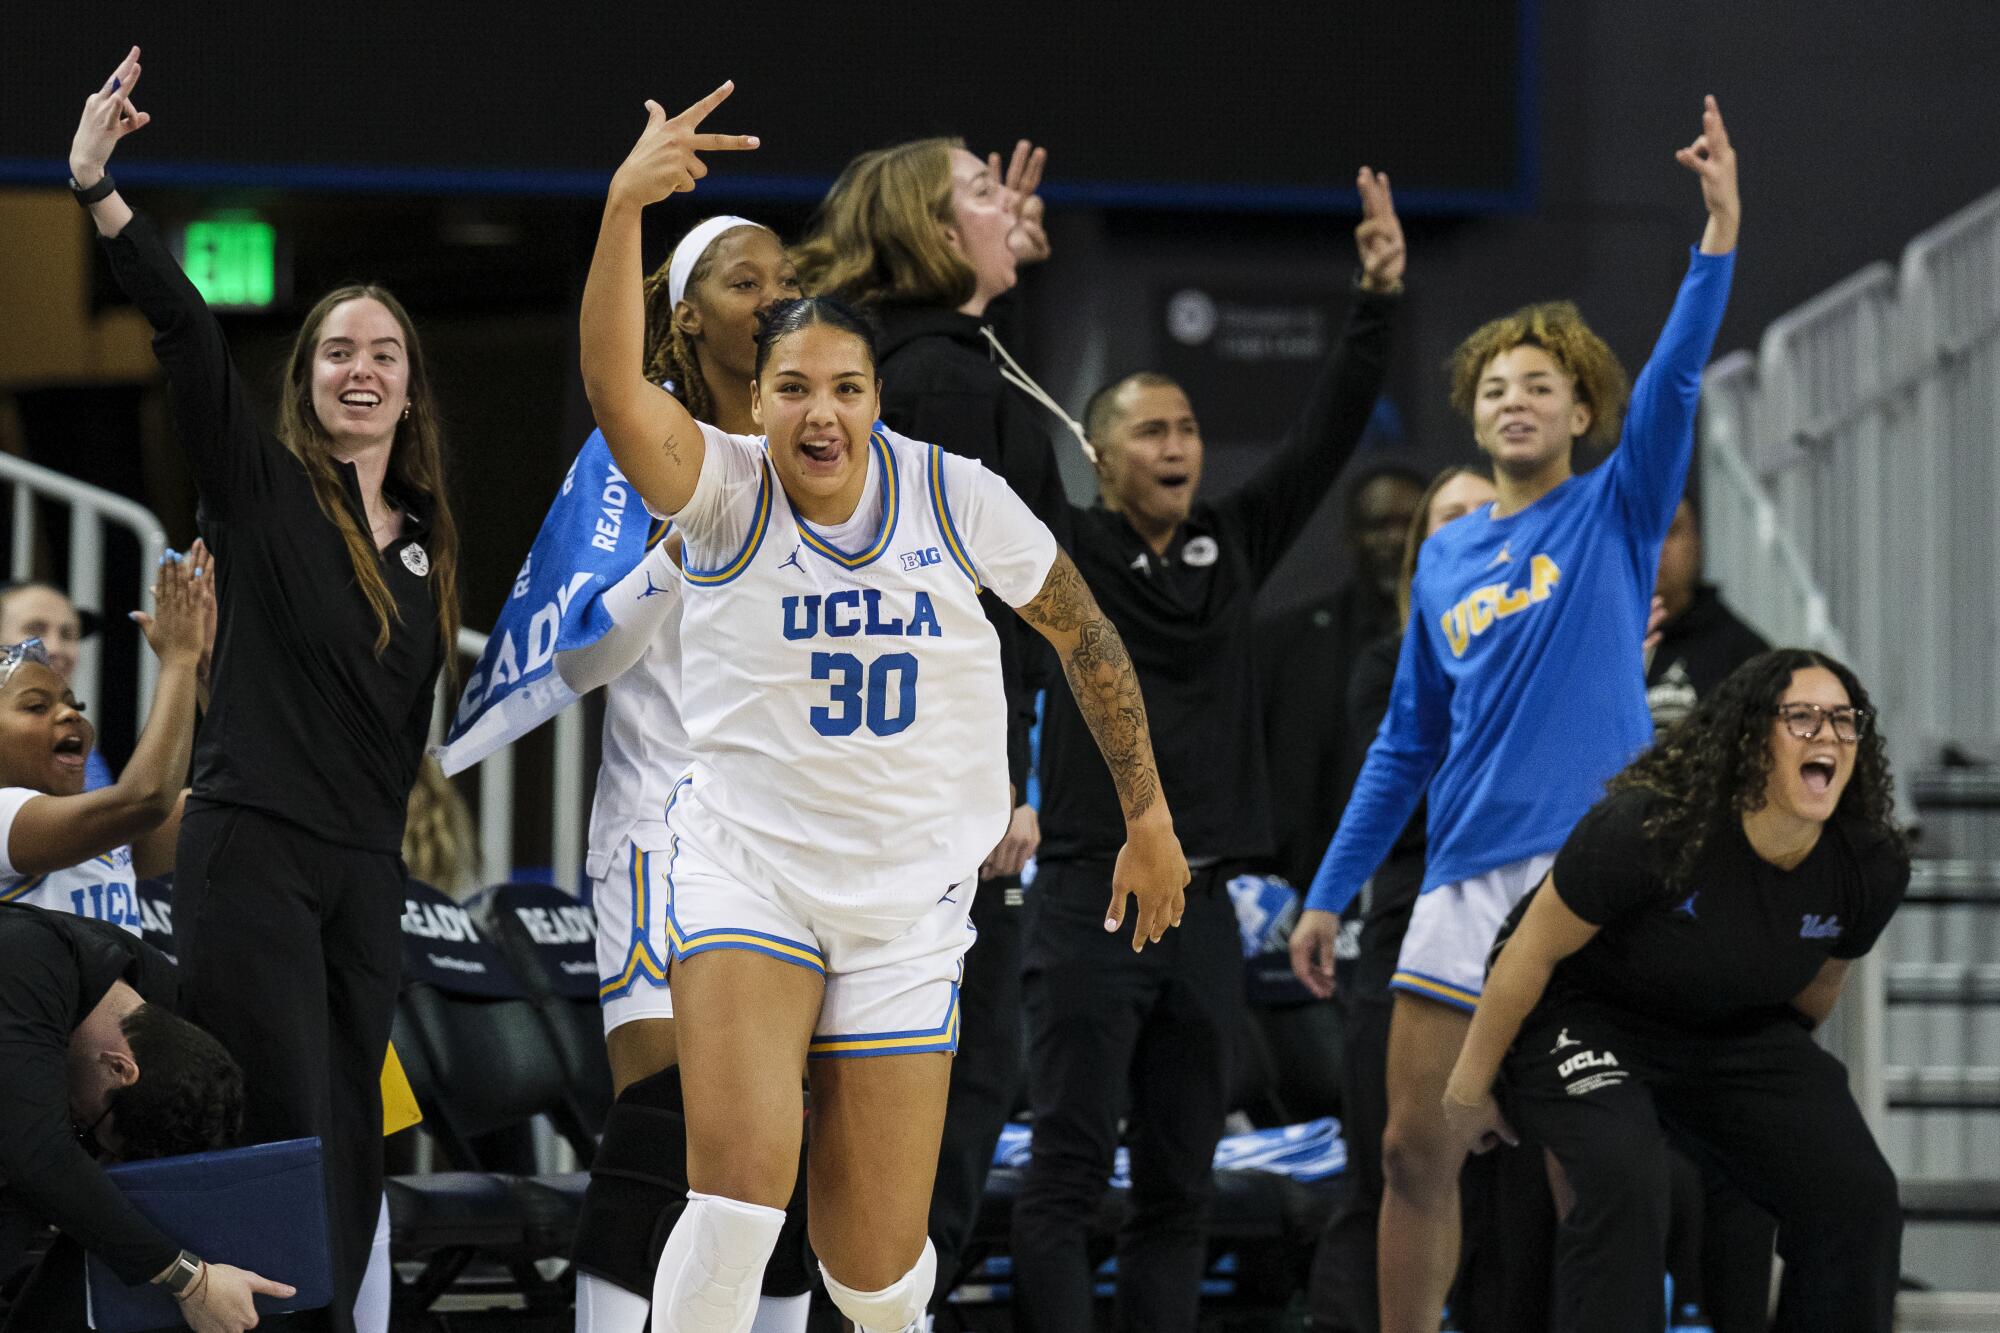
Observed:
{"x":1851,"y":472}
{"x":90,"y":510}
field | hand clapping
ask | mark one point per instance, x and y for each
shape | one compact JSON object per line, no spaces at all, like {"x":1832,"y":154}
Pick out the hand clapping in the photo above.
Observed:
{"x":665,"y":160}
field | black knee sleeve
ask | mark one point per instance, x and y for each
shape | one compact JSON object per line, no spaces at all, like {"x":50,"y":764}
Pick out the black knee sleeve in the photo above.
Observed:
{"x":789,"y":1273}
{"x":638,"y":1185}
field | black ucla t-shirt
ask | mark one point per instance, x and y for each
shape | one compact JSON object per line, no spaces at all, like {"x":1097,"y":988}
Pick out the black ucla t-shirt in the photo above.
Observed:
{"x":1738,"y":936}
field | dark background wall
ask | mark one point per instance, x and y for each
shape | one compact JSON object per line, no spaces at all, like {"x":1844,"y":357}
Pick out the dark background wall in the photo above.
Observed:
{"x":1859,"y":124}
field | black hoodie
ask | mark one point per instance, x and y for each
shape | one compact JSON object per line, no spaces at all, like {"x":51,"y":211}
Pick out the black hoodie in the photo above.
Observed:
{"x":940,"y":385}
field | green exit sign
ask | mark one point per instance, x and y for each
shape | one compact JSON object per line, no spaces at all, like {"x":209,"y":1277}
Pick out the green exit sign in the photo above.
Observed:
{"x":232,"y":261}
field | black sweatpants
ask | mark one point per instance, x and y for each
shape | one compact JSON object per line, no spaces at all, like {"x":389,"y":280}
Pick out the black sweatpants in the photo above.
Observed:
{"x":985,"y":1074}
{"x":1116,"y":1035}
{"x":1766,"y":1107}
{"x":1340,"y":1294}
{"x":291,"y":953}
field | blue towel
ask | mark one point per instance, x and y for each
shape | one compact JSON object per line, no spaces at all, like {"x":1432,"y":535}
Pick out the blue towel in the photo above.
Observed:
{"x":262,"y":1208}
{"x":596,"y":533}
{"x":1308,"y":1152}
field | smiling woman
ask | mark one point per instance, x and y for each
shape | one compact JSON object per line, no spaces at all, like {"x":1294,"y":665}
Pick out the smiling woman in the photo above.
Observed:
{"x":338,"y":606}
{"x":845,"y":710}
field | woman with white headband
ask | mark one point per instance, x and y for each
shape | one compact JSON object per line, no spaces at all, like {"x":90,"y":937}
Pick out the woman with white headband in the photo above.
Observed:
{"x":702,"y":309}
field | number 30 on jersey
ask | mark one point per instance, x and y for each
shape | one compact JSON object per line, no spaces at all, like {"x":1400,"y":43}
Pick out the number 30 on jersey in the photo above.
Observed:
{"x":882,"y":695}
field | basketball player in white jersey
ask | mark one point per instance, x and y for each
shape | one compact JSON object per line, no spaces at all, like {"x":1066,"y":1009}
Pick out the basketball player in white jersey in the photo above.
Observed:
{"x":74,"y":851}
{"x":702,"y":309}
{"x":843,"y":701}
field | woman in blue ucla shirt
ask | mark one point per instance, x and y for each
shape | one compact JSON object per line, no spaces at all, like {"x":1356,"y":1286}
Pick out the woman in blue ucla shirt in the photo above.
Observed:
{"x":1520,"y":690}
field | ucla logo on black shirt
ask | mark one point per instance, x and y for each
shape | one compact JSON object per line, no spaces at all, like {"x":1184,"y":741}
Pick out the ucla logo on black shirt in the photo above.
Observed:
{"x":1482,"y":607}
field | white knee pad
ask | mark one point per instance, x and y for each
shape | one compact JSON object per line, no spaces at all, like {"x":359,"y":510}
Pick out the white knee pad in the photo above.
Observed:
{"x":713,"y":1265}
{"x":894,"y":1309}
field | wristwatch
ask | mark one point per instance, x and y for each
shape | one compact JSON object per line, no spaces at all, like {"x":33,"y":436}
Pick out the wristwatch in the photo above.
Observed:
{"x":101,"y":190}
{"x":180,"y":1275}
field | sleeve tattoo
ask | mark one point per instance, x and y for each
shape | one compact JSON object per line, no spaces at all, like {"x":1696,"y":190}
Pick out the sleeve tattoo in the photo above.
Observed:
{"x":1102,"y":678}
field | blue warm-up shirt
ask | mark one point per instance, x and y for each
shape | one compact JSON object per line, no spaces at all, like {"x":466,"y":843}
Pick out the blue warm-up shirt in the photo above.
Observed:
{"x":1521,"y":687}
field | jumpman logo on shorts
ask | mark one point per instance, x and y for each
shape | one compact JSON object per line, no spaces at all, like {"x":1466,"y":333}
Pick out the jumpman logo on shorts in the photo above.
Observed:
{"x":792,"y":560}
{"x":1687,"y":908}
{"x":1563,"y":1042}
{"x":650,"y":588}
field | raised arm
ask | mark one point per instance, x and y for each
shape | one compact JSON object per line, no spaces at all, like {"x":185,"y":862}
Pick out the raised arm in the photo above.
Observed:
{"x":213,"y":416}
{"x":1277,"y":501}
{"x":1101,"y":676}
{"x":1650,"y":465}
{"x":54,"y":832}
{"x":658,"y":445}
{"x":1549,"y":932}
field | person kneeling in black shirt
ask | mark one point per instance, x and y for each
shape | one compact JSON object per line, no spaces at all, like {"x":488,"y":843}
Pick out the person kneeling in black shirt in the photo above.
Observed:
{"x":97,"y":1059}
{"x":1697,"y":925}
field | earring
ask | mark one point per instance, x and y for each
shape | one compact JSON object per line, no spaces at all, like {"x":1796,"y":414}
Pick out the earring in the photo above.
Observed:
{"x":406,"y":411}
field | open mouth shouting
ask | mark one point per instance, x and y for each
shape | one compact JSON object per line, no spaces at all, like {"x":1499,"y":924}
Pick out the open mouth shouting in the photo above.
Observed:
{"x":70,"y":749}
{"x":1818,"y":774}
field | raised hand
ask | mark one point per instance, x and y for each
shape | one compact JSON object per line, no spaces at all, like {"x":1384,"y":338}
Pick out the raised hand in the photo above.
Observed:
{"x":1029,"y":240}
{"x":177,"y":628}
{"x":108,"y":116}
{"x":1713,"y":158}
{"x":666,"y":159}
{"x":1379,"y":238}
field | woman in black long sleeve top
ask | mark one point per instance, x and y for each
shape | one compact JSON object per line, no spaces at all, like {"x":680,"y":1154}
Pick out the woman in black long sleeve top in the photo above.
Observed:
{"x":338,"y":600}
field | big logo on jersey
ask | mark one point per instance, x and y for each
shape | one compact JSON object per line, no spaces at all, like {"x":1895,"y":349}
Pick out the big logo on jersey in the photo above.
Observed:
{"x":1482,"y":607}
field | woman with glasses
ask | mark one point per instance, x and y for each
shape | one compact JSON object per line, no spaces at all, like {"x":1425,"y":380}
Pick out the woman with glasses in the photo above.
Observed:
{"x":1665,"y":979}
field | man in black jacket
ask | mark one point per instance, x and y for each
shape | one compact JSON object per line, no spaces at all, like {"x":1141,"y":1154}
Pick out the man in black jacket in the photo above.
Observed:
{"x":95,"y":1058}
{"x":1115,"y":1034}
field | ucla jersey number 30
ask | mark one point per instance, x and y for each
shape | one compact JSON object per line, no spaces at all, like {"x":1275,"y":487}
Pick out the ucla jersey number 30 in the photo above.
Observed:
{"x":844,"y":703}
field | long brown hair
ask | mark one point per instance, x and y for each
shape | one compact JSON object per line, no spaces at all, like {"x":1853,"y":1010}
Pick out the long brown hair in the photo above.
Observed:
{"x":416,"y":467}
{"x":877,"y":236}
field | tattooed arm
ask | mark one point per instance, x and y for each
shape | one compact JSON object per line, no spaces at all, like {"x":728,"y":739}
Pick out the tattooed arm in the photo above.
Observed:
{"x":1106,"y":687}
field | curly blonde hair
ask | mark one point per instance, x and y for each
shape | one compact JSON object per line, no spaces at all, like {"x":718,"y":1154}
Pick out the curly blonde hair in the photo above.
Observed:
{"x":1557,"y":328}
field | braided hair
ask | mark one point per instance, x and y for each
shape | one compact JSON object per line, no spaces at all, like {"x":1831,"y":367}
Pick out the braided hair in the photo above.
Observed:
{"x":670,"y":358}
